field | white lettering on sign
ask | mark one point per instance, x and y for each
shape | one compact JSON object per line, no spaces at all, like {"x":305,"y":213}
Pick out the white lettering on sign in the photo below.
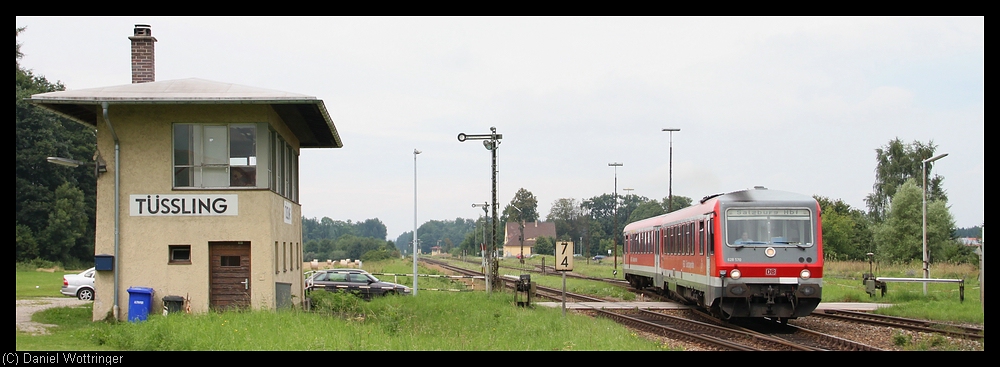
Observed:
{"x":152,"y":205}
{"x":288,"y":212}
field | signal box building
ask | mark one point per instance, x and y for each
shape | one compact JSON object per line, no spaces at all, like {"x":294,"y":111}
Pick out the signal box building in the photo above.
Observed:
{"x":200,"y":198}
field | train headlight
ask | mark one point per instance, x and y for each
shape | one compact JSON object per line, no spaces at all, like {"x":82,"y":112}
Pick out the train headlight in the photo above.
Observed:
{"x":735,"y":274}
{"x":804,"y":274}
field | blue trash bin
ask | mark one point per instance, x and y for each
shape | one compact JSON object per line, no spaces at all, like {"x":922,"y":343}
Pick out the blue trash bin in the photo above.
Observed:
{"x":140,"y":301}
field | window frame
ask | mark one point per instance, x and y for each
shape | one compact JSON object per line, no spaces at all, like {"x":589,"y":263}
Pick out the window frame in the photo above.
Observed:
{"x":173,"y":249}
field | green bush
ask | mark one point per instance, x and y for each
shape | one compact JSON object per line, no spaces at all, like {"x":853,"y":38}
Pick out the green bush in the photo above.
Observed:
{"x":376,"y":255}
{"x":337,"y":303}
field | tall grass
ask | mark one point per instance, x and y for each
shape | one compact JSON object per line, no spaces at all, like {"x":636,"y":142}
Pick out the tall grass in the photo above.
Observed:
{"x":431,"y":321}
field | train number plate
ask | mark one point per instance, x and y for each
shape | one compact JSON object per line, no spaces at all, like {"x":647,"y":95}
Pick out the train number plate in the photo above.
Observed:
{"x":771,"y":272}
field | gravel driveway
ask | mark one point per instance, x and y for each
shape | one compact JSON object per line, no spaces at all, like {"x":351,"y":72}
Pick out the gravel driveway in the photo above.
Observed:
{"x":24,"y":308}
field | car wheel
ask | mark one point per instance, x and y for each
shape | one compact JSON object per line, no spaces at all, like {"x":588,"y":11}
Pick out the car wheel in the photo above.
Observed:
{"x":85,"y":294}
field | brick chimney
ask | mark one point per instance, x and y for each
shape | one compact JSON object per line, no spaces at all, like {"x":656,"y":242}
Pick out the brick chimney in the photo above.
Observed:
{"x":143,"y":63}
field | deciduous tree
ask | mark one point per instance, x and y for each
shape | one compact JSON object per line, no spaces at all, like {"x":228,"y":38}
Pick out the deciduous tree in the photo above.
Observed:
{"x":900,"y":237}
{"x":897,"y":162}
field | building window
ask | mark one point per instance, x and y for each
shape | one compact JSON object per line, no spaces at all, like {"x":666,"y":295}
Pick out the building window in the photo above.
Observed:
{"x":229,"y":261}
{"x":180,"y":254}
{"x":215,"y":156}
{"x":284,"y":168}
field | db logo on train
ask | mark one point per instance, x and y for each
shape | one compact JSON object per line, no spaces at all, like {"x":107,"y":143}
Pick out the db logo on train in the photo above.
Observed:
{"x":770,"y":272}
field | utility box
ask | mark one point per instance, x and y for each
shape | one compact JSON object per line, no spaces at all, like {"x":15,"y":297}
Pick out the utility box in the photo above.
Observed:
{"x":104,"y":262}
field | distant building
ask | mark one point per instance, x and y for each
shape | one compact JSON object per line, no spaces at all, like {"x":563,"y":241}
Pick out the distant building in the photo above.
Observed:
{"x":532,"y":230}
{"x":969,"y":241}
{"x":201,"y":194}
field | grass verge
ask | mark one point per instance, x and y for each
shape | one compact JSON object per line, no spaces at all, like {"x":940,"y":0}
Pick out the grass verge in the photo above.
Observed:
{"x":433,"y":321}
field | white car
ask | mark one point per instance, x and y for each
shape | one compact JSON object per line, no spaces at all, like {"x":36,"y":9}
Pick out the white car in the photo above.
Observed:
{"x":79,"y":285}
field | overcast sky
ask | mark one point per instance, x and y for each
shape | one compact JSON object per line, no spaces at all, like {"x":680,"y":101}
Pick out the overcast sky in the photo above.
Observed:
{"x":793,"y":104}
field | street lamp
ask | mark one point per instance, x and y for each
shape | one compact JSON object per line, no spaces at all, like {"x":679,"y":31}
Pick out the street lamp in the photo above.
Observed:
{"x":415,"y":152}
{"x":98,"y":164}
{"x":927,"y":268}
{"x":614,"y":234}
{"x":492,"y":142}
{"x":670,"y":181}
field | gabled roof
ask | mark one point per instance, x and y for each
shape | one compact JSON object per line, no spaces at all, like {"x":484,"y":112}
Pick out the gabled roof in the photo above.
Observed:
{"x":306,"y":116}
{"x":532,"y":230}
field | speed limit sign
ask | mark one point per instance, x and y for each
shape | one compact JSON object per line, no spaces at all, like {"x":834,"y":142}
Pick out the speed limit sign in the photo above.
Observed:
{"x":564,"y":256}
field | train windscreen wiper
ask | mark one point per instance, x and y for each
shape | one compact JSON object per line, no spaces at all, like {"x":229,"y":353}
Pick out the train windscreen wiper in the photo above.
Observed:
{"x":743,"y":244}
{"x":797,"y":244}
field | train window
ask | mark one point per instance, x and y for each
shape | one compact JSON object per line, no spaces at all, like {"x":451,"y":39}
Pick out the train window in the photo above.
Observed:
{"x":711,"y":237}
{"x":769,"y":226}
{"x":694,"y":238}
{"x":670,"y":240}
{"x":663,"y":241}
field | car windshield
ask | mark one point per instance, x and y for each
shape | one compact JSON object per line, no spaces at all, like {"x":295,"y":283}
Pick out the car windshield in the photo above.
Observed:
{"x":750,"y":227}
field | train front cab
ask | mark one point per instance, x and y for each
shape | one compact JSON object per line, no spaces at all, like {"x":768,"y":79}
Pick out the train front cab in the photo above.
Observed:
{"x":770,"y":261}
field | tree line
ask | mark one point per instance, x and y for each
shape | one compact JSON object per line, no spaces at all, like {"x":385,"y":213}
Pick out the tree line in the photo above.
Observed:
{"x":55,"y":206}
{"x":891,"y":226}
{"x":328,"y":239}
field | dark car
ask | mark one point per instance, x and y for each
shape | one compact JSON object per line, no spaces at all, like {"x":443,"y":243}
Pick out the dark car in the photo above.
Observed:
{"x":356,"y":281}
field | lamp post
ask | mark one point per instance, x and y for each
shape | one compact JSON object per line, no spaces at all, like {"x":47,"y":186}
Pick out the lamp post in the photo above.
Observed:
{"x":492,"y":142}
{"x":415,"y":152}
{"x":927,"y":268}
{"x":614,"y":234}
{"x":670,"y":181}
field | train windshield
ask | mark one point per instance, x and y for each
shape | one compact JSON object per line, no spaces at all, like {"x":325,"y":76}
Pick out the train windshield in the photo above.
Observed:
{"x":752,"y":227}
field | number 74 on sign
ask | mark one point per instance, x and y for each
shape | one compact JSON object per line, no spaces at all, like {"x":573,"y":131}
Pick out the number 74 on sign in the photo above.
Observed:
{"x":564,"y":256}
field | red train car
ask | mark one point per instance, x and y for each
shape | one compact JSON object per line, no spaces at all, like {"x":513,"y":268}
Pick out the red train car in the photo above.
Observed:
{"x":750,"y":253}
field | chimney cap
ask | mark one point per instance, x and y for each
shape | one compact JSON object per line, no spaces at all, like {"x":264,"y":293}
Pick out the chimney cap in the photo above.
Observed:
{"x":143,"y":30}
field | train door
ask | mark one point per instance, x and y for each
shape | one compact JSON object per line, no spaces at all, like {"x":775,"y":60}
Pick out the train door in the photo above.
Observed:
{"x":657,"y":273}
{"x":709,"y":245}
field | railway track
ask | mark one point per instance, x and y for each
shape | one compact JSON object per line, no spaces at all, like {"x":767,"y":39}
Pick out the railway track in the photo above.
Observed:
{"x":722,"y":337}
{"x":968,"y":332}
{"x":703,"y":333}
{"x":801,"y":336}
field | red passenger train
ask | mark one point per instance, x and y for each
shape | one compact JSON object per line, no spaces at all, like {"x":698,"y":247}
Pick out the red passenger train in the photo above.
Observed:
{"x":750,"y":253}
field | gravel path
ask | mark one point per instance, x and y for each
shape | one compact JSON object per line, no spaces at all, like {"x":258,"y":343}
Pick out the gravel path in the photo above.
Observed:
{"x":24,"y":308}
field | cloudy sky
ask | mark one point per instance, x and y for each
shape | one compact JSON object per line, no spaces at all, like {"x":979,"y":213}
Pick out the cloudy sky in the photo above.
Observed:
{"x":793,"y":104}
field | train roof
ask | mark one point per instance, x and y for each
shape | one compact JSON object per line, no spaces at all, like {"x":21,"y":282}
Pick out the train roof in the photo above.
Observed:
{"x":708,"y":204}
{"x":759,"y":193}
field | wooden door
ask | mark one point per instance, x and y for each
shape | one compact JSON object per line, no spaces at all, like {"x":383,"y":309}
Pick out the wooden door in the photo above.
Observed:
{"x":229,"y":275}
